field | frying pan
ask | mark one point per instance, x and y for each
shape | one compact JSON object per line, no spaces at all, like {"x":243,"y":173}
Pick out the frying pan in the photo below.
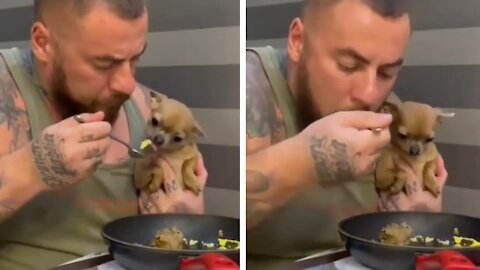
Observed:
{"x":130,"y":239}
{"x":359,"y":232}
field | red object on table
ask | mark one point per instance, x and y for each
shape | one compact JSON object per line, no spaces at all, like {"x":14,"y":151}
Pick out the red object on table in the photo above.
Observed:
{"x":444,"y":260}
{"x":209,"y":261}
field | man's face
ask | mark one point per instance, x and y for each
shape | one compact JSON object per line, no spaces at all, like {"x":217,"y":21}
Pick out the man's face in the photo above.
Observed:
{"x":94,"y":68}
{"x":349,"y":60}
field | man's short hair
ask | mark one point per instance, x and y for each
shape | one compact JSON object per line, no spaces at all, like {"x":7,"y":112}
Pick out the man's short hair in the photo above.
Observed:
{"x":385,"y":8}
{"x":125,"y":9}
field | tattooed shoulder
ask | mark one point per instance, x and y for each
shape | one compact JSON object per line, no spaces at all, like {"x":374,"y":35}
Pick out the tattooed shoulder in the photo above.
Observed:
{"x":14,"y":123}
{"x":263,"y":115}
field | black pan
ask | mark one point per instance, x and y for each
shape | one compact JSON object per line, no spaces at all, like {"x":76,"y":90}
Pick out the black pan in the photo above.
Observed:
{"x":130,"y":239}
{"x":358,"y":233}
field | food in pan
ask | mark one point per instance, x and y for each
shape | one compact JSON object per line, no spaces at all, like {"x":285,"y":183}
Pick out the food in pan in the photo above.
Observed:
{"x":401,"y":235}
{"x":396,"y":234}
{"x":173,"y":238}
{"x":169,"y":239}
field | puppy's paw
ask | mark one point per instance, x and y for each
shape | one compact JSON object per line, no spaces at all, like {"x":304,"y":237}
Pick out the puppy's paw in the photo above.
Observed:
{"x":190,"y":181}
{"x":430,"y":183}
{"x":399,"y":182}
{"x":157,"y":179}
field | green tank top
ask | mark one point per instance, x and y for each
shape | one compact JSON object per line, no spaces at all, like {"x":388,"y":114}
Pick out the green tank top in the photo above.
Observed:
{"x":58,"y":227}
{"x":309,"y":223}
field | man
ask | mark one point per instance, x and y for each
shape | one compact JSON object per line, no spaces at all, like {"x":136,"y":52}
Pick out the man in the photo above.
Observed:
{"x":61,"y":180}
{"x":304,"y":175}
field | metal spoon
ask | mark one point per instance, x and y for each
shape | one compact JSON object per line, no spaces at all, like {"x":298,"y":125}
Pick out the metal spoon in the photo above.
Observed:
{"x":376,"y":130}
{"x":132,"y":152}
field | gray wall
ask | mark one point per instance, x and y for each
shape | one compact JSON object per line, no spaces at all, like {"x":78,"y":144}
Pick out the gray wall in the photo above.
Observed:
{"x":192,"y":56}
{"x":442,"y":69}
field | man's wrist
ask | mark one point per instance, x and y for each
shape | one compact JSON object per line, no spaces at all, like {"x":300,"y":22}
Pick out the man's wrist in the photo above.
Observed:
{"x":27,"y":176}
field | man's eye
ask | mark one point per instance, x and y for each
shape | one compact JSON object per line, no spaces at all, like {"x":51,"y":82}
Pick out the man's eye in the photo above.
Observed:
{"x":348,"y":67}
{"x":386,"y":75}
{"x":103,"y":66}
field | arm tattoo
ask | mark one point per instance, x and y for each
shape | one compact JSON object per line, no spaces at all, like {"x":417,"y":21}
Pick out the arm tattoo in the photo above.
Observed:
{"x":332,"y":161}
{"x":50,"y":161}
{"x":11,"y":115}
{"x":257,"y":206}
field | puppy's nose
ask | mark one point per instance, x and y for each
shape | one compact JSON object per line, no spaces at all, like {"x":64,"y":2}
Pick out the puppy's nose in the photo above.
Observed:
{"x":159,"y":140}
{"x":414,"y":150}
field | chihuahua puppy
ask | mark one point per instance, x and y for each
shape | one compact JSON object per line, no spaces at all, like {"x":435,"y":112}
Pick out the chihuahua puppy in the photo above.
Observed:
{"x":412,"y":133}
{"x":172,"y":133}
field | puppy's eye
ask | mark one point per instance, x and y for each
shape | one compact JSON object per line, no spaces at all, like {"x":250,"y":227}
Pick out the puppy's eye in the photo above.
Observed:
{"x":178,"y":139}
{"x":429,"y":140}
{"x":154,"y":122}
{"x":402,"y":136}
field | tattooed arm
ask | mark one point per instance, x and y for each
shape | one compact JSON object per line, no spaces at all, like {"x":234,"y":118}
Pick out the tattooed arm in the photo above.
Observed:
{"x":272,"y":177}
{"x":64,"y":154}
{"x":15,"y":134}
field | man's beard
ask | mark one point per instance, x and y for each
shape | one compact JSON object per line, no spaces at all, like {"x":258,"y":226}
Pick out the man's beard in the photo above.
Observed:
{"x":67,"y":106}
{"x":304,"y":102}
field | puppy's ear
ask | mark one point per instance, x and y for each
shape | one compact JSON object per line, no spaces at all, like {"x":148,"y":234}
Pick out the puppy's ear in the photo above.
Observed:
{"x":389,"y":107}
{"x":156,"y":99}
{"x":198,"y":131}
{"x":441,"y":115}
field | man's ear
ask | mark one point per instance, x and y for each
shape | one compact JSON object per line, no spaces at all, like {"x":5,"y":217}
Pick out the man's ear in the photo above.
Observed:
{"x":41,"y":42}
{"x":198,"y":131}
{"x":441,"y":115}
{"x":295,"y":40}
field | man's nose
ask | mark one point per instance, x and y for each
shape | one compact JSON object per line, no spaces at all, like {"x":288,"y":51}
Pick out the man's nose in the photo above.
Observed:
{"x":365,"y":89}
{"x":123,"y":80}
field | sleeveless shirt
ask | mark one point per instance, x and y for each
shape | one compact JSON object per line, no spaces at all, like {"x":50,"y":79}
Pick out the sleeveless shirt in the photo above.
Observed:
{"x":56,"y":227}
{"x":309,"y":223}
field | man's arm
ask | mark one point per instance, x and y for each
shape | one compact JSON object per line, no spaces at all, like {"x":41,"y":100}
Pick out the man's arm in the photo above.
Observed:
{"x":275,"y":170}
{"x":19,"y":182}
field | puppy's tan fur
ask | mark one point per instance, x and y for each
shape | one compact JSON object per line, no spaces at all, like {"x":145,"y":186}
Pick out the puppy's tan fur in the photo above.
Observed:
{"x":412,"y":133}
{"x":173,"y":131}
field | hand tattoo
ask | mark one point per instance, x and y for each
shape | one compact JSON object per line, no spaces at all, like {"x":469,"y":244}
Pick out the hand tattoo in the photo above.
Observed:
{"x":50,"y":161}
{"x":332,"y":161}
{"x":257,"y":185}
{"x":179,"y":208}
{"x":93,"y":153}
{"x":87,"y":138}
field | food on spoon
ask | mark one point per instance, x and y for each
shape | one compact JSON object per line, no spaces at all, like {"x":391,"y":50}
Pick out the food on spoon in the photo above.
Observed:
{"x":396,"y":234}
{"x":169,"y":239}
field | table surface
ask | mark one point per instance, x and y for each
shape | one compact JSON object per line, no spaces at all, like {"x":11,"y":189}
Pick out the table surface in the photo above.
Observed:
{"x":328,"y":260}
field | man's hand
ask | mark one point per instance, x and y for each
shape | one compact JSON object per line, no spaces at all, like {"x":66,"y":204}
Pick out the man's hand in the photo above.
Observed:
{"x":343,"y":146}
{"x":416,"y":198}
{"x":68,"y":152}
{"x":171,"y":198}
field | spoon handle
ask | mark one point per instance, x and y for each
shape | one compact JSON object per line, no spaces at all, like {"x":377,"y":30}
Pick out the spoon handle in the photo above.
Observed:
{"x":120,"y":141}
